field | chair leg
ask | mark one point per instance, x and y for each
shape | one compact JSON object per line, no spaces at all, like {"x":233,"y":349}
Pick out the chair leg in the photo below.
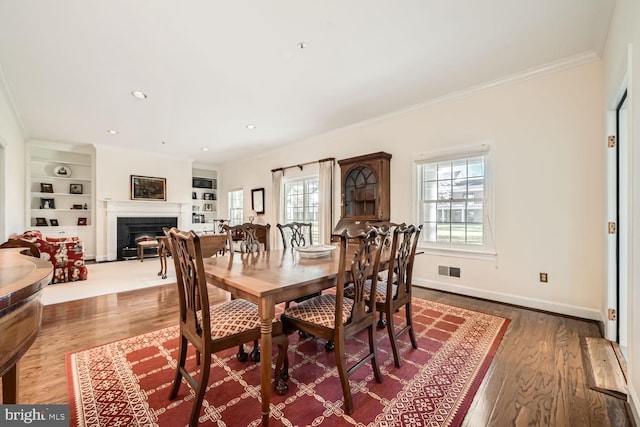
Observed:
{"x":344,"y":377}
{"x":281,"y":374}
{"x":373,"y":349}
{"x":202,"y":388}
{"x":381,"y":322}
{"x":182,"y":357}
{"x":392,"y":338}
{"x":254,"y":356}
{"x":412,"y":337}
{"x":242,"y":355}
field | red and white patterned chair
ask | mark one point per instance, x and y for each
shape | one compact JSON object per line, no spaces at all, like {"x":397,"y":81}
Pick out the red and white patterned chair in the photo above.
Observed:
{"x":65,"y":254}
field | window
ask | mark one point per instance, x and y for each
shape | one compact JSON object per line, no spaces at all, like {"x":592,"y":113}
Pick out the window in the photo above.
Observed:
{"x":236,"y":202}
{"x":300,"y":203}
{"x":453,"y":202}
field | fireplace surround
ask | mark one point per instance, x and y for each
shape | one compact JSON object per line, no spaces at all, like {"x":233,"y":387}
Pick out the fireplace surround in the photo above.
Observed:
{"x":131,"y":229}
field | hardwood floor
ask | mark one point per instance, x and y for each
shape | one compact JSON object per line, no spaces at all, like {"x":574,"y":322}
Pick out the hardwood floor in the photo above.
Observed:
{"x":537,"y":377}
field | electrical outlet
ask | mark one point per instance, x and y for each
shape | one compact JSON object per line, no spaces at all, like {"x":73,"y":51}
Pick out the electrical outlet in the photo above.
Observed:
{"x":544,"y":278}
{"x":612,"y":314}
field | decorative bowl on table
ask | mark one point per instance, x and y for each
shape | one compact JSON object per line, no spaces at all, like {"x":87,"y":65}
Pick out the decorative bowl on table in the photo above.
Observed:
{"x":315,"y":251}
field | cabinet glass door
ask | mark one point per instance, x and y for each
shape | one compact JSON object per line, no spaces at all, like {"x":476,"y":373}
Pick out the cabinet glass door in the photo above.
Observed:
{"x":360,"y":192}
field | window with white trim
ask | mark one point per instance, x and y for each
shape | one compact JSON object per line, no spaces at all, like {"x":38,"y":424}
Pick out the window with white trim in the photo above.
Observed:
{"x":453,"y":201}
{"x":236,"y":207}
{"x":300,"y":202}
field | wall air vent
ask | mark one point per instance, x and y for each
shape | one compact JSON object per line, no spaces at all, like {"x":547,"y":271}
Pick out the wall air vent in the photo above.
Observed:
{"x":444,"y":270}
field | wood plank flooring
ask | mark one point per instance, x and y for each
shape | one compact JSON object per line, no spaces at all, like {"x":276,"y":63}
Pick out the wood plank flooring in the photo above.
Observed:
{"x":537,"y":377}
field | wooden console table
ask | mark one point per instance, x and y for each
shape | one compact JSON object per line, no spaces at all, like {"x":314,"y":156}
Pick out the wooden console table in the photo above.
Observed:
{"x":22,"y":279}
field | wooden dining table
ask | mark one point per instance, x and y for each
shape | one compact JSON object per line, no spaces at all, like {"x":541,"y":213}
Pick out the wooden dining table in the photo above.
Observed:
{"x":268,"y":278}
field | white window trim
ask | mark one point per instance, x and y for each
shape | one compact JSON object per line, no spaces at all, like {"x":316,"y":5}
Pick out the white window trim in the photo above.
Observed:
{"x":486,"y":251}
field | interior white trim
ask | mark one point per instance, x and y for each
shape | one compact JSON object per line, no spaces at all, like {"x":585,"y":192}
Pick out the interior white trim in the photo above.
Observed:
{"x":564,"y":309}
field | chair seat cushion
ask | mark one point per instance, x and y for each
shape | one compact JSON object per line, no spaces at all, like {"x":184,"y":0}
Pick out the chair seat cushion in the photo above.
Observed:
{"x":320,"y":310}
{"x":233,"y":317}
{"x":381,"y":291}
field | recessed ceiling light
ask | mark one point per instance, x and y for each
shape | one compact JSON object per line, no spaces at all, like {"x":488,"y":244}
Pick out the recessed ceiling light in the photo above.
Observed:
{"x":204,"y":149}
{"x":139,"y":94}
{"x":302,"y":45}
{"x":251,"y":127}
{"x":112,"y":132}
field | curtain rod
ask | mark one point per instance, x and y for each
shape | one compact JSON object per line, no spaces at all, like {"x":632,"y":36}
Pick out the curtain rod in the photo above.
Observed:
{"x":300,"y":165}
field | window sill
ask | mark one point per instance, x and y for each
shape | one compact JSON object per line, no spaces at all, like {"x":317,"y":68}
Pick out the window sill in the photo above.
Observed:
{"x":480,"y":254}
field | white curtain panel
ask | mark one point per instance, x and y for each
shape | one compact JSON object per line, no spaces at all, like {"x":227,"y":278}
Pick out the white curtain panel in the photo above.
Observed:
{"x":325,"y":202}
{"x":276,"y":176}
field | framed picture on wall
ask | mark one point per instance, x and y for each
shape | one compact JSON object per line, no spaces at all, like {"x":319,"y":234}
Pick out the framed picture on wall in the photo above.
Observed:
{"x":257,"y":200}
{"x":148,"y":188}
{"x":75,"y":188}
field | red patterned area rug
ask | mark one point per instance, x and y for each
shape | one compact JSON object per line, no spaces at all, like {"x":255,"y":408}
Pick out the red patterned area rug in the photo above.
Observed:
{"x":127,"y":382}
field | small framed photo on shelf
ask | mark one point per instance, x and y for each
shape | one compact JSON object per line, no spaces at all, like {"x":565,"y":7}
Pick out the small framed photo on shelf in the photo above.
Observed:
{"x":194,"y":196}
{"x":46,"y":188}
{"x":41,"y":222}
{"x":208,"y":207}
{"x":75,"y":188}
{"x":198,"y":218}
{"x":82,"y":221}
{"x":47,"y":203}
{"x":76,"y":207}
{"x":209,"y":196}
{"x":54,"y":222}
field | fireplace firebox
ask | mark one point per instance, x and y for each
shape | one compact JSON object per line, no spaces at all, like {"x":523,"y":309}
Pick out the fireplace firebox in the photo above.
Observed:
{"x":130,"y":230}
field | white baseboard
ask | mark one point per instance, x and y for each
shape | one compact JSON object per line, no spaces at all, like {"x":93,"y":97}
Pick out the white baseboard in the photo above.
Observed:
{"x":538,"y":304}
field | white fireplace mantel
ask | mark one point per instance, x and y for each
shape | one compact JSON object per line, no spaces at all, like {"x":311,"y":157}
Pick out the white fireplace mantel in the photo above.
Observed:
{"x":113,"y":209}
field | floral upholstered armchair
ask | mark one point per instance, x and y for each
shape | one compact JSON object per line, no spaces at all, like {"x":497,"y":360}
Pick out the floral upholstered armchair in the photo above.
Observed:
{"x":66,"y":255}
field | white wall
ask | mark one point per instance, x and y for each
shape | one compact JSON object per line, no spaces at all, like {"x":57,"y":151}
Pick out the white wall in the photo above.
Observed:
{"x":546,"y":134}
{"x":621,"y":60}
{"x":12,"y":170}
{"x":114,"y":167}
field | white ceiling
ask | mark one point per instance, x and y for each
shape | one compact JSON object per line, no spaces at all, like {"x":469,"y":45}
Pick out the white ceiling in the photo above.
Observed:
{"x":211,"y":67}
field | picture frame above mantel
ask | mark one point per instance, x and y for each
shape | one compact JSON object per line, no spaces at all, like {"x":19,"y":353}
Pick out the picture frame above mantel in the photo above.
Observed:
{"x":148,"y":188}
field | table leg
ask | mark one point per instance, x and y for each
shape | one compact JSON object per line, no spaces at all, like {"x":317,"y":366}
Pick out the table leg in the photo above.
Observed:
{"x":10,"y":386}
{"x":266,"y":311}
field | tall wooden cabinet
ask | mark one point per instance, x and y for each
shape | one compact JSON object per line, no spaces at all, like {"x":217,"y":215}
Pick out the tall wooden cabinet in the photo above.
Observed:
{"x":365,"y":190}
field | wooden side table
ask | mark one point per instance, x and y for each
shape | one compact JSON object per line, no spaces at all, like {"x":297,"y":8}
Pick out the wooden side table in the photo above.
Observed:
{"x":145,"y":244}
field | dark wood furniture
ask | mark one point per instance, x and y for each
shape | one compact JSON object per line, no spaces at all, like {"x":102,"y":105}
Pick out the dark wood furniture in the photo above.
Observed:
{"x":163,"y":251}
{"x":268,"y":278}
{"x":213,"y":244}
{"x":297,"y":233}
{"x":248,"y":237}
{"x":146,"y":244}
{"x":22,"y":279}
{"x":336,"y":318}
{"x":215,"y":328}
{"x":30,"y":248}
{"x":365,"y":191}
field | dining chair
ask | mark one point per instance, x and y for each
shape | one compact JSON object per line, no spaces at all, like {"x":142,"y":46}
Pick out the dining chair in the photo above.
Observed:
{"x":393,"y":289}
{"x":334,"y":317}
{"x":248,"y":238}
{"x":211,"y":329}
{"x":297,"y":233}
